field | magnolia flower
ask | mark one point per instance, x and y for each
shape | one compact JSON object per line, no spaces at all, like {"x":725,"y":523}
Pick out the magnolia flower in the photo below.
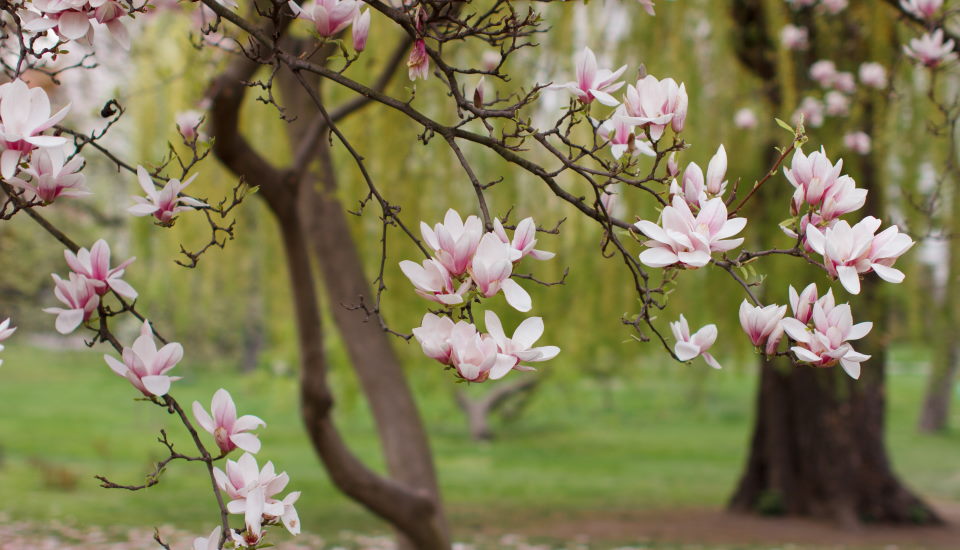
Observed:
{"x":610,"y":199}
{"x":435,"y":332}
{"x":432,"y":281}
{"x":810,"y":112}
{"x":794,"y":38}
{"x":477,"y":357}
{"x":145,"y":366}
{"x":924,"y":9}
{"x":673,"y":167}
{"x":360,"y":30}
{"x":5,"y":331}
{"x":697,"y":189}
{"x":490,"y":60}
{"x":620,"y":134}
{"x":165,"y":204}
{"x":844,"y":82}
{"x":823,"y":72}
{"x":762,"y":325}
{"x":849,"y":251}
{"x":188,"y":123}
{"x":24,"y":114}
{"x":689,"y":346}
{"x":844,"y":197}
{"x":226,"y":428}
{"x":491,"y":268}
{"x":519,"y":347}
{"x":454,"y":241}
{"x":81,"y":298}
{"x":802,"y":304}
{"x":827,"y":342}
{"x":931,"y":50}
{"x":812,"y":177}
{"x":873,"y":75}
{"x":688,"y":240}
{"x":328,"y":16}
{"x":252,"y":491}
{"x":253,"y":510}
{"x":656,"y":103}
{"x":858,"y":142}
{"x":210,"y":543}
{"x":745,"y":119}
{"x":593,"y":82}
{"x":94,"y":264}
{"x":837,"y":104}
{"x":418,"y":64}
{"x":524,"y":239}
{"x":52,"y":176}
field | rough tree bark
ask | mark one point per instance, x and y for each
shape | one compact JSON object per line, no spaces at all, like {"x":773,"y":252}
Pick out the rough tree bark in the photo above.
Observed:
{"x":818,"y":440}
{"x":410,"y":500}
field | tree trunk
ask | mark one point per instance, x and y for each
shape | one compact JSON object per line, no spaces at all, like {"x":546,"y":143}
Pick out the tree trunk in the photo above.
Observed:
{"x":478,"y":411}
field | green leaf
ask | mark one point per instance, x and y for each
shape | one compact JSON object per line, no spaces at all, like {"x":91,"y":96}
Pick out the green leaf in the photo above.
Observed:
{"x":786,"y":126}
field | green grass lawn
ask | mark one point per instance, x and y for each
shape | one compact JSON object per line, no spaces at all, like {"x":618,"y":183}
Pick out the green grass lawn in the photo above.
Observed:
{"x":646,"y":442}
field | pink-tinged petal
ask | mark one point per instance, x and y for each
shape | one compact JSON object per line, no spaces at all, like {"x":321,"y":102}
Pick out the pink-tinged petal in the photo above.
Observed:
{"x":503,"y":365}
{"x":516,"y":296}
{"x":711,"y":361}
{"x":605,"y":98}
{"x":546,"y":352}
{"x":698,"y":258}
{"x":223,"y":409}
{"x":495,"y":328}
{"x":9,"y":160}
{"x":731,"y":228}
{"x":248,"y":422}
{"x":46,"y":141}
{"x":653,"y":231}
{"x":705,"y":337}
{"x":73,"y":25}
{"x":686,"y":351}
{"x":116,"y":366}
{"x":796,"y":330}
{"x":168,"y":356}
{"x":68,"y":320}
{"x":156,"y":385}
{"x":449,"y":299}
{"x":889,"y":274}
{"x":529,"y":331}
{"x":203,"y":418}
{"x":852,"y":368}
{"x":290,"y":518}
{"x":658,"y":257}
{"x":805,"y":355}
{"x":246,"y":442}
{"x":815,"y":239}
{"x":123,"y":288}
{"x":849,"y":278}
{"x":541,"y":254}
{"x":859,"y":330}
{"x":143,"y":209}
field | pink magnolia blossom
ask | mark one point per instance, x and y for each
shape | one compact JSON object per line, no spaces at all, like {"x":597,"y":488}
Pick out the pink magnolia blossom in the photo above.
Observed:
{"x":360,"y":30}
{"x":524,"y":239}
{"x":931,"y":50}
{"x":477,"y":357}
{"x":689,"y":240}
{"x":845,"y":82}
{"x":5,"y":332}
{"x":673,"y":167}
{"x":762,"y":325}
{"x":418,"y":64}
{"x":654,"y":104}
{"x":858,"y":142}
{"x":823,"y":72}
{"x":491,"y":60}
{"x":850,"y":251}
{"x":697,"y":189}
{"x":826,"y":342}
{"x":50,"y":175}
{"x":837,"y":104}
{"x":794,"y":38}
{"x":842,"y":198}
{"x":252,"y":492}
{"x":812,"y":176}
{"x":454,"y":241}
{"x":432,"y":281}
{"x":689,"y":347}
{"x":94,"y":264}
{"x":209,"y":543}
{"x":619,"y":133}
{"x":520,"y":346}
{"x":166,"y":204}
{"x":24,"y":114}
{"x":80,"y":296}
{"x":435,"y":333}
{"x":71,"y":19}
{"x":924,"y":9}
{"x":873,"y":75}
{"x":491,"y":268}
{"x":593,"y":82}
{"x":254,"y":504}
{"x":802,"y":304}
{"x":188,"y":123}
{"x":145,"y":366}
{"x":810,"y":112}
{"x":745,"y":119}
{"x":610,"y":199}
{"x":328,"y":16}
{"x":228,"y":430}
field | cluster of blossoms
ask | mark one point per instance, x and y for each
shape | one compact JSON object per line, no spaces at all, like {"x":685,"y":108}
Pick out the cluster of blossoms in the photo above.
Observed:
{"x":73,"y":20}
{"x":839,"y":87}
{"x":164,"y":204}
{"x":821,"y":196}
{"x":329,"y":17}
{"x":252,"y":492}
{"x":469,"y":264}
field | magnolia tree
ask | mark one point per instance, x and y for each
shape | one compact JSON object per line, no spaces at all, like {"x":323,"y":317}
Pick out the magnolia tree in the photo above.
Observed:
{"x":619,"y":133}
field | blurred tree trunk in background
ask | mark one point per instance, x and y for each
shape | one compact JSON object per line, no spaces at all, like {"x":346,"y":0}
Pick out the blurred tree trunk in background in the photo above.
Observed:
{"x":478,"y":410}
{"x":818,"y":441}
